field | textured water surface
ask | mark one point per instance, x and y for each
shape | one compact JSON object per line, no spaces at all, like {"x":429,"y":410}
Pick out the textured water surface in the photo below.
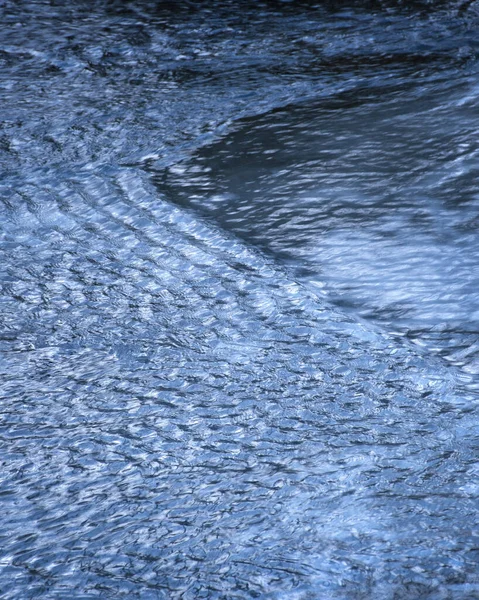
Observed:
{"x":238,"y":300}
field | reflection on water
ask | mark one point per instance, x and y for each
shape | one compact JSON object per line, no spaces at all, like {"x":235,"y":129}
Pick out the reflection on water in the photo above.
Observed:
{"x":372,"y":198}
{"x":221,"y":229}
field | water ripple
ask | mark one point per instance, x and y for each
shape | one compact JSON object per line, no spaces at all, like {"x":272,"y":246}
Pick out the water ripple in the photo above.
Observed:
{"x":186,"y":412}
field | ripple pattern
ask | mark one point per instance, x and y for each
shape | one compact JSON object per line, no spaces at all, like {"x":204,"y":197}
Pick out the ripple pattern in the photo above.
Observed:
{"x":181,"y":414}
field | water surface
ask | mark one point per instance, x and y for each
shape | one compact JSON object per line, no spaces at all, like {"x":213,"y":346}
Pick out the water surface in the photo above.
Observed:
{"x":239,"y":307}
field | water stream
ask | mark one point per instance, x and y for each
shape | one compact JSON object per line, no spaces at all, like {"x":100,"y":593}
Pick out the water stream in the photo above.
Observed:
{"x":239,"y":313}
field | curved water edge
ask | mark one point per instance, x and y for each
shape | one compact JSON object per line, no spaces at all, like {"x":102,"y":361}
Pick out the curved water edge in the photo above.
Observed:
{"x":346,"y":193}
{"x":184,"y":414}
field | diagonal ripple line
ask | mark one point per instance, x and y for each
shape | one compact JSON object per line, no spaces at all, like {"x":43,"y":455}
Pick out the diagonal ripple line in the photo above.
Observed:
{"x":189,"y":370}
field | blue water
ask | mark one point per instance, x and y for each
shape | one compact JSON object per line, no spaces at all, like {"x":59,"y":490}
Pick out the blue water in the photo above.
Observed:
{"x":239,"y":306}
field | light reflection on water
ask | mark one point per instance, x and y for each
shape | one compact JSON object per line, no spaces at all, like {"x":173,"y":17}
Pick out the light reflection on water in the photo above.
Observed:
{"x":373,"y":201}
{"x":220,"y":233}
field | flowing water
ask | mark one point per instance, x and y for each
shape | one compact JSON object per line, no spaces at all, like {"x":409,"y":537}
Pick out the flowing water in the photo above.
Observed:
{"x":240,"y":309}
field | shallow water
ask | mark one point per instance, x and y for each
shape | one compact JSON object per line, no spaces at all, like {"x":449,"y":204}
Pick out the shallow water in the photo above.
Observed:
{"x":239,"y":308}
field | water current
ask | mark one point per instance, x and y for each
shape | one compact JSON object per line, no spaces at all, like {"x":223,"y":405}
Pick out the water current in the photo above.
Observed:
{"x":239,"y":350}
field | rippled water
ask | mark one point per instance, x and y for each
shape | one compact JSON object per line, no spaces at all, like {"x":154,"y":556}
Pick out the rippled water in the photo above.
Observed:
{"x":239,"y":342}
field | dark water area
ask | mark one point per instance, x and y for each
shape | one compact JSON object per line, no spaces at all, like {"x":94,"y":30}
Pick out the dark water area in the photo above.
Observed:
{"x":239,"y":350}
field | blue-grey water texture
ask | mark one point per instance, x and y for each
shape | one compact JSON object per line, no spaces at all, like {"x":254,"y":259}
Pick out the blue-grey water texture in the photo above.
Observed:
{"x":239,"y":343}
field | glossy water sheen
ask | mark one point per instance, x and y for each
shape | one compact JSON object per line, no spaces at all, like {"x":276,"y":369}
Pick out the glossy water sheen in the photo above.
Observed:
{"x":239,"y":306}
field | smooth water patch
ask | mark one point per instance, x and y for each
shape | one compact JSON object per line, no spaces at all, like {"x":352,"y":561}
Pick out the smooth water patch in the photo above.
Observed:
{"x":370,"y":197}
